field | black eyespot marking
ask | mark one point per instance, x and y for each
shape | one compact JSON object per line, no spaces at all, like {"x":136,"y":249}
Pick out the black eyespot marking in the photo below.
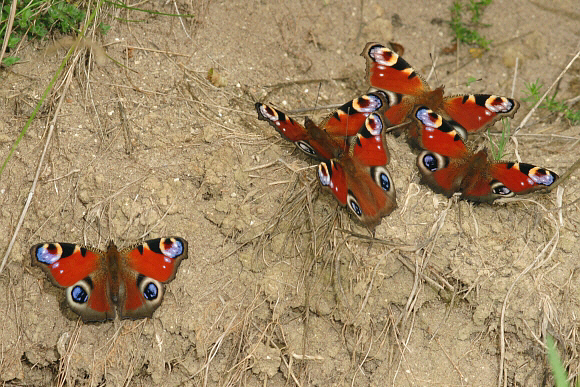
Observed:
{"x":79,"y":295}
{"x":306,"y":148}
{"x":385,"y":182}
{"x":353,"y":204}
{"x":501,"y":189}
{"x":150,"y":292}
{"x":430,"y":162}
{"x":381,"y":177}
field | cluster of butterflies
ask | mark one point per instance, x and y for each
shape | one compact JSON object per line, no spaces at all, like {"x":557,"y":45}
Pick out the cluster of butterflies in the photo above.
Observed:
{"x":351,"y":142}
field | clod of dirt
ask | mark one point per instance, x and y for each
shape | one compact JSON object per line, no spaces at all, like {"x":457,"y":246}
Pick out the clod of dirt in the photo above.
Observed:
{"x":267,"y":360}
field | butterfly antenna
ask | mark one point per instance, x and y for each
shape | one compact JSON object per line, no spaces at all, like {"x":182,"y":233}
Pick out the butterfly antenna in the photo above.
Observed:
{"x":317,"y":95}
{"x":433,"y":64}
{"x":402,"y":124}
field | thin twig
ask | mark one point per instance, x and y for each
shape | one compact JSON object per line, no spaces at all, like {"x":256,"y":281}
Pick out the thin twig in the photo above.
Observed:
{"x":38,"y":170}
{"x":181,"y":20}
{"x":8,"y":31}
{"x":536,"y":263}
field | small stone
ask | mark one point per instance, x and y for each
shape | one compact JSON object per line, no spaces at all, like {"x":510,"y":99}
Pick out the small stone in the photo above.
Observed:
{"x":84,"y":197}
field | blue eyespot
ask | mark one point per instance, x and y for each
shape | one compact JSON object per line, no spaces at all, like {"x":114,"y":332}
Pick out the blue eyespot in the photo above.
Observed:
{"x":49,"y":253}
{"x":79,"y":295}
{"x":385,"y":182}
{"x":430,"y":162}
{"x":501,"y":190}
{"x":172,"y":247}
{"x":151,"y":292}
{"x":354,"y":205}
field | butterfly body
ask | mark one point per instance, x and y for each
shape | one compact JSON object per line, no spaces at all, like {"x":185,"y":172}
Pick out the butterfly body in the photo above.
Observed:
{"x":389,"y":72}
{"x":99,"y":282}
{"x":449,"y":166}
{"x":354,"y":154}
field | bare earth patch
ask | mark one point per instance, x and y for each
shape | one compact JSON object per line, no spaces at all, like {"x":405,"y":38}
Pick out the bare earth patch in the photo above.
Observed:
{"x":281,"y":287}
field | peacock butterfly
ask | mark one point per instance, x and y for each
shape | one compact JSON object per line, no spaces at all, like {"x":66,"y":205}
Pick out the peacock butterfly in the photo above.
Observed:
{"x":354,"y":154}
{"x":98,"y":282}
{"x":449,"y":166}
{"x":406,"y":89}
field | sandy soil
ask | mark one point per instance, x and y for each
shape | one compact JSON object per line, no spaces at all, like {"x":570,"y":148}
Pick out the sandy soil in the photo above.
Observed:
{"x":281,"y":287}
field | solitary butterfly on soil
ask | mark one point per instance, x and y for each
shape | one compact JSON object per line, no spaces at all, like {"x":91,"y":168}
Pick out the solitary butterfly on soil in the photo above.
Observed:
{"x":97,"y":282}
{"x":406,"y":89}
{"x":449,"y":166}
{"x":354,"y":154}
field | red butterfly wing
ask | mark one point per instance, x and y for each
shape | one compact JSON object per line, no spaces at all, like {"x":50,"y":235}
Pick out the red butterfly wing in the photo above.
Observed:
{"x":388,"y":71}
{"x":438,"y":173}
{"x":313,"y":142}
{"x":368,"y":192}
{"x":361,"y":181}
{"x":65,"y":263}
{"x":437,"y":135}
{"x":332,"y":175}
{"x":144,"y":270}
{"x":347,"y":120}
{"x":522,"y":178}
{"x":369,"y":146}
{"x":475,"y":112}
{"x":448,"y":166}
{"x":82,"y":271}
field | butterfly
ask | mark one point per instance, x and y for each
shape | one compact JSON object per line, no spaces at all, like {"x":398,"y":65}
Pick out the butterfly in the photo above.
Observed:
{"x":406,"y":89}
{"x":449,"y":166}
{"x":354,"y":154}
{"x":98,"y":282}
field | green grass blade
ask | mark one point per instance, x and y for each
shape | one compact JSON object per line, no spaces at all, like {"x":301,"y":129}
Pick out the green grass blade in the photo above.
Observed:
{"x":48,"y":89}
{"x":560,"y":376}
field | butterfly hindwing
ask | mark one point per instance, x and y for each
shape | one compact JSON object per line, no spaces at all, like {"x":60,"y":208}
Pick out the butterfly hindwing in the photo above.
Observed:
{"x":368,"y":192}
{"x":149,"y":266}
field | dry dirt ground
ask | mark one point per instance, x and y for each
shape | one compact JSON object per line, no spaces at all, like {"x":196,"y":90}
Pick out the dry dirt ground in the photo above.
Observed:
{"x":281,"y":287}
